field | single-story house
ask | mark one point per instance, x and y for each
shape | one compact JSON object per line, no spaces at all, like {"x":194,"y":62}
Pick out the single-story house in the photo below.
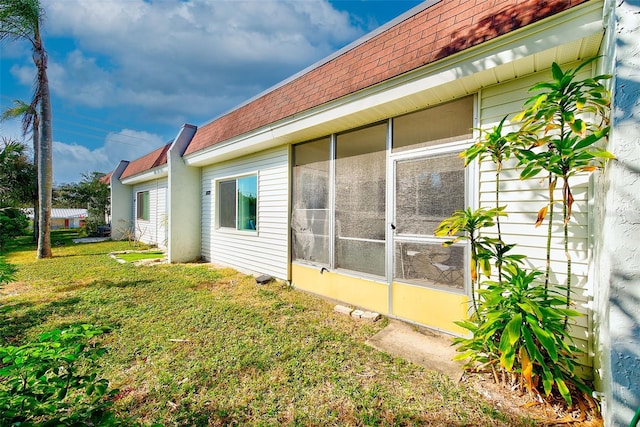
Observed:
{"x":139,"y":190}
{"x":64,"y":217}
{"x":335,"y":179}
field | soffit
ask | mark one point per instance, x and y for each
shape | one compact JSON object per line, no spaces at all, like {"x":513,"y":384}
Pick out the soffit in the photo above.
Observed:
{"x":149,"y":175}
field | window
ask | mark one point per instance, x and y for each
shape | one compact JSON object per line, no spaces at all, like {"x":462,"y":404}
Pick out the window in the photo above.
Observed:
{"x":237,"y":203}
{"x":360,"y":187}
{"x":310,"y":213}
{"x":437,"y":125}
{"x":142,"y":205}
{"x":428,"y":190}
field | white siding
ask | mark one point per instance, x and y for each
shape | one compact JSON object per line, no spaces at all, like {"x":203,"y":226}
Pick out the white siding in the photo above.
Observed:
{"x":525,"y":198}
{"x":153,"y":231}
{"x":265,"y":251}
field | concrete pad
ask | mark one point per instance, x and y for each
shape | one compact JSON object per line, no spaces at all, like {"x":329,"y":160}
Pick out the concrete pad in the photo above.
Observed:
{"x":422,"y":347}
{"x":342,"y":309}
{"x":90,"y":239}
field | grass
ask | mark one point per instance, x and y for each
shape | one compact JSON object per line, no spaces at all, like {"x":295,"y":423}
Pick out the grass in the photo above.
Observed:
{"x":140,"y":255}
{"x":194,"y":345}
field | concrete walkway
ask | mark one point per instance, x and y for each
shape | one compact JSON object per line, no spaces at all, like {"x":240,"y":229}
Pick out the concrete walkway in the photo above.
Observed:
{"x":420,"y":346}
{"x":90,"y":239}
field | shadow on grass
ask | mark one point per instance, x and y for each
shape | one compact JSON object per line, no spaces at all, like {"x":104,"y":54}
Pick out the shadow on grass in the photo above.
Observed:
{"x":14,"y":327}
{"x":123,"y":284}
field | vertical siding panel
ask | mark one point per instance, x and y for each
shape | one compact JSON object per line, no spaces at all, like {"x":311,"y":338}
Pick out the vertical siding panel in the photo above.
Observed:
{"x":525,"y":198}
{"x":153,"y":231}
{"x":266,"y":251}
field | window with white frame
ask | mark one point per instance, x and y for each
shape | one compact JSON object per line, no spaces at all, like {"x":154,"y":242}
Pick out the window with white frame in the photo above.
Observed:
{"x":237,"y":203}
{"x":142,"y":205}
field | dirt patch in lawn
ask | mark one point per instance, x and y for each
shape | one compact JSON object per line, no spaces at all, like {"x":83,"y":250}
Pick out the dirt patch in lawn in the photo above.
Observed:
{"x":145,"y":257}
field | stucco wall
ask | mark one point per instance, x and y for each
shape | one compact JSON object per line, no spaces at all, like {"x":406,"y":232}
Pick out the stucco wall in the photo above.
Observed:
{"x":617,"y":229}
{"x":121,"y":204}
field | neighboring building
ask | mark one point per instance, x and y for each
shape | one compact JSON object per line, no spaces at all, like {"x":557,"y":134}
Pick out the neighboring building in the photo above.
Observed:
{"x":64,"y":217}
{"x":139,"y":199}
{"x":335,"y":179}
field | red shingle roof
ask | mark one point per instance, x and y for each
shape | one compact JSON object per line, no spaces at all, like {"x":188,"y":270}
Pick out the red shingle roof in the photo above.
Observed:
{"x":106,"y":179}
{"x":152,"y":160}
{"x":436,"y":32}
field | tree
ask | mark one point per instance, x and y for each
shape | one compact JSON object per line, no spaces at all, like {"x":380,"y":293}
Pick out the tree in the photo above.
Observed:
{"x":21,"y":20}
{"x":30,"y":122}
{"x":13,"y":223}
{"x":17,"y":175}
{"x":92,"y":193}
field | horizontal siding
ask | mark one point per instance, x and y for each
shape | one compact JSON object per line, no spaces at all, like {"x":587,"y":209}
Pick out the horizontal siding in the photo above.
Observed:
{"x":264,"y":252}
{"x":525,"y":198}
{"x":153,"y":231}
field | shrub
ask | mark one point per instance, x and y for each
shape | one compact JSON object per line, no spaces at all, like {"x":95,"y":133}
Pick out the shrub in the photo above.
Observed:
{"x":6,"y":271}
{"x":53,"y":381}
{"x":13,"y":222}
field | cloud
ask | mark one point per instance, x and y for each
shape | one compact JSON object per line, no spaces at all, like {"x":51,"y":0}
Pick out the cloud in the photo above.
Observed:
{"x":73,"y":160}
{"x":187,"y":59}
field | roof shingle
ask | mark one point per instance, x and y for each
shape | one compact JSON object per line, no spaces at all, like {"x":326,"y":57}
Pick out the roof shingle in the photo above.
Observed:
{"x":439,"y":31}
{"x":147,"y":162}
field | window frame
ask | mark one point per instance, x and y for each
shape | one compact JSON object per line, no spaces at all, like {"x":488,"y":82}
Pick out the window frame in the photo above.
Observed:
{"x":143,"y":205}
{"x":235,"y":179}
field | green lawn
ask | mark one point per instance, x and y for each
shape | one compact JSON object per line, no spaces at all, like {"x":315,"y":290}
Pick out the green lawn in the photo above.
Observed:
{"x":140,"y":255}
{"x":194,"y":345}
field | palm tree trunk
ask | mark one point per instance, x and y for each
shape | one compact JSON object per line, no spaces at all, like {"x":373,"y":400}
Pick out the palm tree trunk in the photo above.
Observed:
{"x":36,"y":201}
{"x":45,"y":155}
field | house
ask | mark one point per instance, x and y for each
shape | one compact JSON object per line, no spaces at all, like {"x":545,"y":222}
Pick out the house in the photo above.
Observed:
{"x":336,"y":178}
{"x":139,"y":190}
{"x":64,"y":217}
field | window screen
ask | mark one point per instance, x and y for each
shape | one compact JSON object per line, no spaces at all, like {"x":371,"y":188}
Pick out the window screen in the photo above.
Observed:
{"x":360,"y":200}
{"x":310,"y":213}
{"x":444,"y":123}
{"x":428,"y":190}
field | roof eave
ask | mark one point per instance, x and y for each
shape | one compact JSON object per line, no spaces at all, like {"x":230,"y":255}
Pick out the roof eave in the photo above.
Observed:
{"x":148,"y":175}
{"x":581,"y":22}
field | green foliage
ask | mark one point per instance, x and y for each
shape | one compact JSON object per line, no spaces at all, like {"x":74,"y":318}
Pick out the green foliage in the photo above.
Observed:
{"x":518,"y":325}
{"x":13,"y":223}
{"x":466,"y":225}
{"x":91,"y":193}
{"x":560,"y":130}
{"x":17,"y":175}
{"x":522,"y":330}
{"x":7,"y":271}
{"x":195,"y":345}
{"x":556,"y":136}
{"x":492,"y":144}
{"x":53,"y":381}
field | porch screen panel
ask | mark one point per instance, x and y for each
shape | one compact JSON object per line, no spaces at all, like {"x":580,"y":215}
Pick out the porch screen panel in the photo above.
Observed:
{"x":449,"y":122}
{"x":360,"y":180}
{"x":310,"y":202}
{"x":430,"y":264}
{"x":428,"y":190}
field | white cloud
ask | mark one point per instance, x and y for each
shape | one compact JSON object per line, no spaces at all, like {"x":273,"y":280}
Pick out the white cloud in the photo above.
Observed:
{"x":71,"y":161}
{"x":12,"y":130}
{"x":178,"y":58}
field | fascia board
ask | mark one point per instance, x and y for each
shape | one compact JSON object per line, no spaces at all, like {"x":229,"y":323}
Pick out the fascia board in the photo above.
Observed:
{"x":562,"y":29}
{"x":150,"y":175}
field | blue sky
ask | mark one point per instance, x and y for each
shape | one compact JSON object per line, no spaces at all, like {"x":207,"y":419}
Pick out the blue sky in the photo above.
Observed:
{"x":125,"y":75}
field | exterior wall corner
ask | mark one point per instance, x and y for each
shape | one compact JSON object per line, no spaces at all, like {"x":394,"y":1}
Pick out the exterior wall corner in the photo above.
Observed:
{"x":121,"y":204}
{"x":183,"y":201}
